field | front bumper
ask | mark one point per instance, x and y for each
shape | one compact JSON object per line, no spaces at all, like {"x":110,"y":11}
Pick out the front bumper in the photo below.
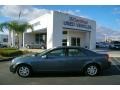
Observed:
{"x":12,"y":69}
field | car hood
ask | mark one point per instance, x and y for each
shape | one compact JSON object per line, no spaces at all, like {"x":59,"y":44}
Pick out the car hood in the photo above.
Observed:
{"x":27,"y":55}
{"x":24,"y":57}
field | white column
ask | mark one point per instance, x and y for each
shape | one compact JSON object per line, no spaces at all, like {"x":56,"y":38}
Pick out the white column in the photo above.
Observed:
{"x":10,"y":38}
{"x":93,"y":36}
{"x":50,"y":31}
{"x":20,"y":40}
{"x":23,"y":39}
{"x":13,"y":38}
{"x":54,"y":30}
{"x":68,"y":38}
{"x":87,"y":39}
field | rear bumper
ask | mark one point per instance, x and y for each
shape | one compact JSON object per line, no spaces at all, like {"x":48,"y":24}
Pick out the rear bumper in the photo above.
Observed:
{"x":109,"y":65}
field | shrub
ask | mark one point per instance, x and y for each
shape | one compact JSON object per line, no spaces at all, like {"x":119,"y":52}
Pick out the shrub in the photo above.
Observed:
{"x":10,"y":53}
{"x":26,"y":52}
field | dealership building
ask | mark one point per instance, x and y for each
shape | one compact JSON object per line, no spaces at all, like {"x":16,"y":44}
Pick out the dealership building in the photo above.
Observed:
{"x":59,"y":29}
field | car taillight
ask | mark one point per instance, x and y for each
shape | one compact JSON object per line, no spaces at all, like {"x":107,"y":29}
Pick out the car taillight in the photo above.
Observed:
{"x":107,"y":57}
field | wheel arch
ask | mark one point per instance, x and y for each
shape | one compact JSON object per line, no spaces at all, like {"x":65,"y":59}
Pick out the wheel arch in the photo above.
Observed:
{"x":20,"y":64}
{"x":92,"y":63}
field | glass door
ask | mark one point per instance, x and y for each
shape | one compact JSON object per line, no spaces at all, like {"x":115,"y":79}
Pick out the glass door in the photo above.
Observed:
{"x":75,"y":41}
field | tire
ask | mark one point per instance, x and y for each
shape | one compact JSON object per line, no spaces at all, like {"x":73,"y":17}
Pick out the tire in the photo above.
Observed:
{"x":24,"y":71}
{"x":92,"y":70}
{"x":42,"y":47}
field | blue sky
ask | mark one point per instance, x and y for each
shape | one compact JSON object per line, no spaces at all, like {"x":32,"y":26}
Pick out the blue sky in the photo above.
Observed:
{"x":107,"y":16}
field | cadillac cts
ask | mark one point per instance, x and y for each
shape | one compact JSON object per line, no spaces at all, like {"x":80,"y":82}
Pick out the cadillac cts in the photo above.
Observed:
{"x":61,"y":59}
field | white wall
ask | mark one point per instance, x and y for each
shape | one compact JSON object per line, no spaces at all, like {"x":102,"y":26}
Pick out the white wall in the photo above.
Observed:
{"x":87,"y":39}
{"x":44,"y":20}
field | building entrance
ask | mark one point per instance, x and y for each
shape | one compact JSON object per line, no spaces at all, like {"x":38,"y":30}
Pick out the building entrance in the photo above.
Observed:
{"x":75,"y":41}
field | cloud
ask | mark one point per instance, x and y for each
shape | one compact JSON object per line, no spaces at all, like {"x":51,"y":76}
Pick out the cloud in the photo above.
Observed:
{"x":74,"y":12}
{"x":27,"y":12}
{"x":116,"y":10}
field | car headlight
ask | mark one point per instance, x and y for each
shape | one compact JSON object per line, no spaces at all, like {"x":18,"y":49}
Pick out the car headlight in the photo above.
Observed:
{"x":13,"y":61}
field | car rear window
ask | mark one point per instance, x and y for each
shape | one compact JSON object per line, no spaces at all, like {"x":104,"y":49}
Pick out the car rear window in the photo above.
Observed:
{"x":75,"y":52}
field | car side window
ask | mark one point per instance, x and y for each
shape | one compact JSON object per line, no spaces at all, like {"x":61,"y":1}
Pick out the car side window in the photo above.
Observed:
{"x":75,"y":52}
{"x":56,"y":53}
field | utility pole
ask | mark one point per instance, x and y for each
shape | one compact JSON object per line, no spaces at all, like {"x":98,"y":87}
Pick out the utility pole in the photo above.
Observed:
{"x":19,"y":45}
{"x":19,"y":15}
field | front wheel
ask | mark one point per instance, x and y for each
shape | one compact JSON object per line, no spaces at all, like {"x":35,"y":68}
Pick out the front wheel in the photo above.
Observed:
{"x":92,"y":70}
{"x":23,"y":71}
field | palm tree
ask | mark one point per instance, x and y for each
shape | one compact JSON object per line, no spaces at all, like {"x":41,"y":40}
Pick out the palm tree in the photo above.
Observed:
{"x":18,"y":27}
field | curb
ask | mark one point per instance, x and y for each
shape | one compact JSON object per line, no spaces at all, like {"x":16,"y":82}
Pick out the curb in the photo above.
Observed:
{"x":3,"y":60}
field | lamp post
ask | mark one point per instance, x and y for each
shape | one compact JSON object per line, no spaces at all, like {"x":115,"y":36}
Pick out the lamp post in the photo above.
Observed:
{"x":105,"y":37}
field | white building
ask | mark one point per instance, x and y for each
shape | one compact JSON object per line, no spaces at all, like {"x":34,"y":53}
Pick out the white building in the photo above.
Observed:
{"x":60,"y":29}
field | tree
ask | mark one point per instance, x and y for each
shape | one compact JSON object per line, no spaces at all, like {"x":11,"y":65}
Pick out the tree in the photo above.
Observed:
{"x":18,"y":27}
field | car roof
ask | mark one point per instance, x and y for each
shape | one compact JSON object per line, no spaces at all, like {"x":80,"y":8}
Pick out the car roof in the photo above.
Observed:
{"x":67,"y":47}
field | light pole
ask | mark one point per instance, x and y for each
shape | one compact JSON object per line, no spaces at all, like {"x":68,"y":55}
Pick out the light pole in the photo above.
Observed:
{"x":105,"y":37}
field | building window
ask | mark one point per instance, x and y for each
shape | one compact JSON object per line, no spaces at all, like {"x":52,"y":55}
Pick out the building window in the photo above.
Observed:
{"x":5,"y":40}
{"x":40,"y":38}
{"x":64,"y":32}
{"x":37,"y":38}
{"x":75,"y":41}
{"x":64,"y":42}
{"x":78,"y":41}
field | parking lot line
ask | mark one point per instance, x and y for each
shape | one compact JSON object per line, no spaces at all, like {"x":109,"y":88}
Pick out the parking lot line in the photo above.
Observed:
{"x":116,"y":59}
{"x":115,"y":63}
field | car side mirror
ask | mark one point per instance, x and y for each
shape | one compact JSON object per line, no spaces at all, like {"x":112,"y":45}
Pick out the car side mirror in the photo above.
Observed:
{"x":44,"y":56}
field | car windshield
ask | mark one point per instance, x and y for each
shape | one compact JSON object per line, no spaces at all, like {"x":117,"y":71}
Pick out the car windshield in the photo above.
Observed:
{"x":43,"y":52}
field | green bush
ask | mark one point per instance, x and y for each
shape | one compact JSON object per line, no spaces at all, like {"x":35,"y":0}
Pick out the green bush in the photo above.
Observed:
{"x":10,"y":53}
{"x":8,"y":49}
{"x":26,"y":52}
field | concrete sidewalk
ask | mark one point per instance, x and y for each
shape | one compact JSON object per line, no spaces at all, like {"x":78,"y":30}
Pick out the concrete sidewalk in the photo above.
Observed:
{"x":32,"y":50}
{"x":9,"y":59}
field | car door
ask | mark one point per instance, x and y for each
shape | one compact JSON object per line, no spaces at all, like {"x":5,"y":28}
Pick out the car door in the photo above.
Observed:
{"x":52,"y":61}
{"x":75,"y":59}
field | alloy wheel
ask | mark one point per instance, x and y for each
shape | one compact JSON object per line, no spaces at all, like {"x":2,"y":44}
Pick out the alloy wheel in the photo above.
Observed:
{"x":23,"y":71}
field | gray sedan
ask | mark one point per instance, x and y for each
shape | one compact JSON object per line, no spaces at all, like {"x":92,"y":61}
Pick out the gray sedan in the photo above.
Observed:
{"x":62,"y":59}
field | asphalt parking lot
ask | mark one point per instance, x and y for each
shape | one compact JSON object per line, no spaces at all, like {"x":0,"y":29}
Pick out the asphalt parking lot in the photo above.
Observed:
{"x":109,"y":77}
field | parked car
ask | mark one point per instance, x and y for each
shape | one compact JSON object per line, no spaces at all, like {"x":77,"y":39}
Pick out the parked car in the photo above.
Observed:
{"x":61,"y":59}
{"x":102,"y":45}
{"x":36,"y":46}
{"x":3,"y":45}
{"x":114,"y":45}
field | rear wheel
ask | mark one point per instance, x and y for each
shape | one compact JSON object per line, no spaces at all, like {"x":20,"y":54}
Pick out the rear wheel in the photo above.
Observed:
{"x":23,"y":71}
{"x":92,"y":70}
